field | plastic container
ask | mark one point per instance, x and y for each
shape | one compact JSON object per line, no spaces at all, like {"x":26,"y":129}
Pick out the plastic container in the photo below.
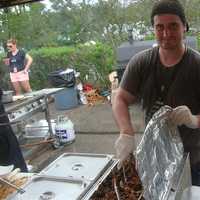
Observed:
{"x":64,"y":130}
{"x":39,"y":129}
{"x":66,"y":99}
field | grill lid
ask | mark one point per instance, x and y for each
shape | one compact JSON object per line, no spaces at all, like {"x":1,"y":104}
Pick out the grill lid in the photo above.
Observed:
{"x":8,"y":3}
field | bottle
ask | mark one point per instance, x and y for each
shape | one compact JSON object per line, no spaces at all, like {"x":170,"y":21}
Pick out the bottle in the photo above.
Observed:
{"x":83,"y":98}
{"x":64,"y":130}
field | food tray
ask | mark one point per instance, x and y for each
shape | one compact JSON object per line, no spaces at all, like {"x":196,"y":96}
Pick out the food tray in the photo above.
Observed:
{"x":126,"y":180}
{"x":70,"y":176}
{"x":79,"y":165}
{"x":17,"y":178}
{"x":46,"y":187}
{"x":94,"y":187}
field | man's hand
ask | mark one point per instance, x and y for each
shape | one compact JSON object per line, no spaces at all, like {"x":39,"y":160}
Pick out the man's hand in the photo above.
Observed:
{"x":182,"y":115}
{"x":124,"y":145}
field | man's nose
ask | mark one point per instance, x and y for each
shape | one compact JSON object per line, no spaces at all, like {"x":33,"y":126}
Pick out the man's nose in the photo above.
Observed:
{"x":166,"y":32}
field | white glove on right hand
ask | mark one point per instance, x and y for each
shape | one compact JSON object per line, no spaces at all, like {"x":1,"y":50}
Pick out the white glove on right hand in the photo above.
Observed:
{"x":124,"y":145}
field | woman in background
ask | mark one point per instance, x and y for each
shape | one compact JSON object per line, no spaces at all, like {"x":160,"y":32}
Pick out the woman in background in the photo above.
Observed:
{"x":19,"y":63}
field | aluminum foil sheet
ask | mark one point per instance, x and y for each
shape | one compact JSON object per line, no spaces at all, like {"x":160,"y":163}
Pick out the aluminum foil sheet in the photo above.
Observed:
{"x":159,"y":155}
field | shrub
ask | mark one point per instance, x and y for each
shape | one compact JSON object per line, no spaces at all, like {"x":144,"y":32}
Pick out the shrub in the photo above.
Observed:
{"x":95,"y":61}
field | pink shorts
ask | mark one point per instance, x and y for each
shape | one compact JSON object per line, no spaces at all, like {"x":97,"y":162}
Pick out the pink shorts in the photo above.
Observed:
{"x":19,"y":76}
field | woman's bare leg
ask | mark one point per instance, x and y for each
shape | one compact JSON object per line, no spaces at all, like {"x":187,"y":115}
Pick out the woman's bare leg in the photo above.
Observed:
{"x":26,"y":86}
{"x":16,"y":86}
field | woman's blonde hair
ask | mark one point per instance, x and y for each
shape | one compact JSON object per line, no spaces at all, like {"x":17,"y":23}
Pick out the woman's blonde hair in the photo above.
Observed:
{"x":12,"y":40}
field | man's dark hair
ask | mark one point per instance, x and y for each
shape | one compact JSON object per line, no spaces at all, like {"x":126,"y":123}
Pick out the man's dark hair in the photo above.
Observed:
{"x":169,"y":7}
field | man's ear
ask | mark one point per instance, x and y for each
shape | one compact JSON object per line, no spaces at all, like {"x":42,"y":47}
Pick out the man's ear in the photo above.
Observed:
{"x":186,"y":29}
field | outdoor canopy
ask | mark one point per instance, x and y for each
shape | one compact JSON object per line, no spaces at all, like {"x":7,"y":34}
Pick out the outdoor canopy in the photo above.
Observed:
{"x":8,"y":3}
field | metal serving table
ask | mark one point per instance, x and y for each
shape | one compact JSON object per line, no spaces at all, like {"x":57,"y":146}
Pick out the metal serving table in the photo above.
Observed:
{"x":84,"y":173}
{"x":77,"y":176}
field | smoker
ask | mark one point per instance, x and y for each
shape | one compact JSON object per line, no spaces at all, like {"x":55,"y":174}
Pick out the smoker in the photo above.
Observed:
{"x":128,"y":49}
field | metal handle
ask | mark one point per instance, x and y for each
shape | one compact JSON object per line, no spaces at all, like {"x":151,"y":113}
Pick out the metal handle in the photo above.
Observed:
{"x":124,"y":173}
{"x":116,"y":189}
{"x":20,"y":190}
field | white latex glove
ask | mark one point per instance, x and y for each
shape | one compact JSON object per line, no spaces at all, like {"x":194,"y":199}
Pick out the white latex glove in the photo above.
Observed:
{"x":182,"y":115}
{"x":124,"y":145}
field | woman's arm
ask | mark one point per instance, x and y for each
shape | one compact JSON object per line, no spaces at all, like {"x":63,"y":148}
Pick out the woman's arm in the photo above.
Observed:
{"x":29,"y":61}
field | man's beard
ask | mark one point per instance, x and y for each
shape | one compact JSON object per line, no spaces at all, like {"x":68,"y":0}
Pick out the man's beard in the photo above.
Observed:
{"x":168,"y":45}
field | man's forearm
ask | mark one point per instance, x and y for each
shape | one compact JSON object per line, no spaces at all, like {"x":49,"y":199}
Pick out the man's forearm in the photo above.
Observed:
{"x":122,"y":117}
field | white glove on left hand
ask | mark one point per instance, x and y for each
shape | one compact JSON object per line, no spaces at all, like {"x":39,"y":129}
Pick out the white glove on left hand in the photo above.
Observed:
{"x":182,"y":115}
{"x":124,"y":145}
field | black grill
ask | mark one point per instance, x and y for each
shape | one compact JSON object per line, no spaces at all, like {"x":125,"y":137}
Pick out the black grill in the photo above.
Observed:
{"x":128,"y":49}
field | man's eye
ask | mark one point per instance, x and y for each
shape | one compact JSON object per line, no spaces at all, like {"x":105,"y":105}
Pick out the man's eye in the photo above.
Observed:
{"x":159,"y":28}
{"x":173,"y":27}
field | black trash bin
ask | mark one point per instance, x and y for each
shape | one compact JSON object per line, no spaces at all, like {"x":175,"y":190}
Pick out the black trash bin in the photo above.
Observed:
{"x":62,"y":78}
{"x":68,"y":97}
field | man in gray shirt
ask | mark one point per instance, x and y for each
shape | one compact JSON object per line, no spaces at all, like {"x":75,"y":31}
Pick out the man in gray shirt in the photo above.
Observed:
{"x":168,"y":74}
